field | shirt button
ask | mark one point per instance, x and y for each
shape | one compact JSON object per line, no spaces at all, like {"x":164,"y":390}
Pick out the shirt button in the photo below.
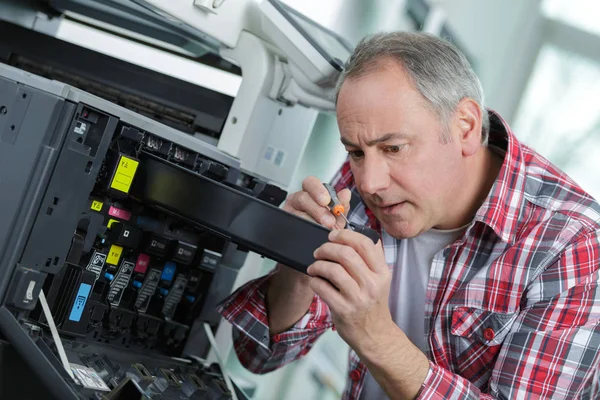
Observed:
{"x":355,"y":375}
{"x":446,"y":252}
{"x":488,"y":334}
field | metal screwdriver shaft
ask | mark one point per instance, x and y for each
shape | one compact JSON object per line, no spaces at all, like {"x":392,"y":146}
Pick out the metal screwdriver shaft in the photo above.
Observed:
{"x":335,"y":205}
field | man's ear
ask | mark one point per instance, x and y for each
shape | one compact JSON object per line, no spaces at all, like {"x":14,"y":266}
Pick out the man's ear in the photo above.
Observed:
{"x":468,"y":120}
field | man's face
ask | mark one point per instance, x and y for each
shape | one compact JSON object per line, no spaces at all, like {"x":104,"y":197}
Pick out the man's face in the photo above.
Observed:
{"x":403,"y":170}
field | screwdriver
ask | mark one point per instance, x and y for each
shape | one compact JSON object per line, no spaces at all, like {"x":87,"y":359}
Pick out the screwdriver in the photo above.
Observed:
{"x":337,"y":208}
{"x":335,"y":205}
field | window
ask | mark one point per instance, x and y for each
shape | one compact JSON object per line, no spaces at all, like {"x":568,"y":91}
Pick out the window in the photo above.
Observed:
{"x":558,"y":113}
{"x":583,"y":14}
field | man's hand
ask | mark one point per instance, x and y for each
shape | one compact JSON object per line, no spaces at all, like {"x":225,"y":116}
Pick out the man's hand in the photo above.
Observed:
{"x":311,"y":203}
{"x":289,"y":294}
{"x":352,"y":277}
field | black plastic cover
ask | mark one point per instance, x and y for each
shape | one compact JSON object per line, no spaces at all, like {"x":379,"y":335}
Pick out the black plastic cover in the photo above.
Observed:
{"x":255,"y":224}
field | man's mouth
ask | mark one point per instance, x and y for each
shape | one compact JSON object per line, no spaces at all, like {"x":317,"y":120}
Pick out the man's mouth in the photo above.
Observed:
{"x":391,"y":208}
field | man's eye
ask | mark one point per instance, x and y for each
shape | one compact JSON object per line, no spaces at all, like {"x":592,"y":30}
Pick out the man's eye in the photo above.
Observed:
{"x":356,"y":154}
{"x":393,"y":149}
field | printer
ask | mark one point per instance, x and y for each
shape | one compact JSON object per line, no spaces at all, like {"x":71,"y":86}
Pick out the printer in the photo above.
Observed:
{"x":130,"y":198}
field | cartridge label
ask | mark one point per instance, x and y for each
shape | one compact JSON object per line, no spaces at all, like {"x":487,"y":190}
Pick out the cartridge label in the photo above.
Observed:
{"x":184,"y":253}
{"x":168,"y":272}
{"x":124,"y":174}
{"x":147,"y":290}
{"x":118,"y":285}
{"x":96,"y":263}
{"x":210,"y":260}
{"x":88,"y":378}
{"x":141,"y":265}
{"x":119,"y":213}
{"x":80,"y":300}
{"x":174,"y":296}
{"x":96,"y":205}
{"x":114,"y":255}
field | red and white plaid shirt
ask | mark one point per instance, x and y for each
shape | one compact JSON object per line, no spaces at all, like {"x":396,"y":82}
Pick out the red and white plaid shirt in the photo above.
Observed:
{"x":512,"y":307}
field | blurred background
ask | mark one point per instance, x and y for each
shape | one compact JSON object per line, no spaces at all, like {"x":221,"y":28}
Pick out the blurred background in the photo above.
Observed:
{"x":539,"y":64}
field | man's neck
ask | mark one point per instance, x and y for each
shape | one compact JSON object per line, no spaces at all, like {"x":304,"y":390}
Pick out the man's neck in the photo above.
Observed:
{"x":487,"y":172}
{"x":482,"y":173}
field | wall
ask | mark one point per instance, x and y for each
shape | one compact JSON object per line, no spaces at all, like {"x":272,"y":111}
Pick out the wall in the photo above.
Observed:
{"x":503,"y":38}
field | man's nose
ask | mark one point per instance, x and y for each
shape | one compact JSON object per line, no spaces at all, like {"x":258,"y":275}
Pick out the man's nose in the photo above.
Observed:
{"x":375,"y":176}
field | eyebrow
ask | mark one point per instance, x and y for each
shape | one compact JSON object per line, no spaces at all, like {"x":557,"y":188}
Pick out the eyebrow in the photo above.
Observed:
{"x":382,"y":139}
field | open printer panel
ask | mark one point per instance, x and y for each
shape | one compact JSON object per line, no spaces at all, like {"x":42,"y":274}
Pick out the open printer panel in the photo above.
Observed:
{"x":133,"y":231}
{"x":179,"y":104}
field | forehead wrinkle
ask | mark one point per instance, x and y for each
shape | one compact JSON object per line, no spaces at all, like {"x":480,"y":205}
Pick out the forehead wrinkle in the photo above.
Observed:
{"x":382,"y":139}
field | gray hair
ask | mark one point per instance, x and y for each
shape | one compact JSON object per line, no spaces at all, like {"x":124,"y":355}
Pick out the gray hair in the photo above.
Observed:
{"x":438,"y":70}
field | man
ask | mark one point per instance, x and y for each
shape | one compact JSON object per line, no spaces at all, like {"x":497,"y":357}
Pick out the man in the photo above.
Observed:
{"x":485,"y":281}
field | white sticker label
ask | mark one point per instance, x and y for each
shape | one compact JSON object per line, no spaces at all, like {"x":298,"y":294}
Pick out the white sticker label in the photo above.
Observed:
{"x":269,"y":153}
{"x":275,"y":156}
{"x":29,"y":293}
{"x":279,"y":158}
{"x":80,"y":128}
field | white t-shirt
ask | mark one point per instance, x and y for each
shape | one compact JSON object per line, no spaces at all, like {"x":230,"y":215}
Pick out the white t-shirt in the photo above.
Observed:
{"x":408,"y":289}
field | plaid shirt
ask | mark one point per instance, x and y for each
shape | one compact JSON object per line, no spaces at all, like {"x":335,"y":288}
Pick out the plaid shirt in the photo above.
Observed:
{"x":512,"y":307}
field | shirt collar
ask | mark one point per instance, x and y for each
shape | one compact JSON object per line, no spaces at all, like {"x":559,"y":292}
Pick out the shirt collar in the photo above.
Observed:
{"x":500,"y":210}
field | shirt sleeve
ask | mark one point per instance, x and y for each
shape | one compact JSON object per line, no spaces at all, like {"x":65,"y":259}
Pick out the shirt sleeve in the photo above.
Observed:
{"x":552,"y":349}
{"x":246,"y":310}
{"x":259,"y":351}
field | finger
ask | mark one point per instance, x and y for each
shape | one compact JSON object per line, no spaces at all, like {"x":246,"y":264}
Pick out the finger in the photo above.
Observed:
{"x":313,"y":186}
{"x":371,"y":254}
{"x":330,"y":295}
{"x":345,"y":256}
{"x":344,"y":197}
{"x":337,"y":276}
{"x":304,"y":202}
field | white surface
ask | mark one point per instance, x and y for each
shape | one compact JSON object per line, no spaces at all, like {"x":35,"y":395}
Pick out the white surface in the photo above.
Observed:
{"x":252,"y":112}
{"x":256,"y":122}
{"x":292,"y":43}
{"x":322,"y":12}
{"x":324,"y":153}
{"x":255,"y":16}
{"x":288,"y":135}
{"x":151,"y":58}
{"x":232,"y":18}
